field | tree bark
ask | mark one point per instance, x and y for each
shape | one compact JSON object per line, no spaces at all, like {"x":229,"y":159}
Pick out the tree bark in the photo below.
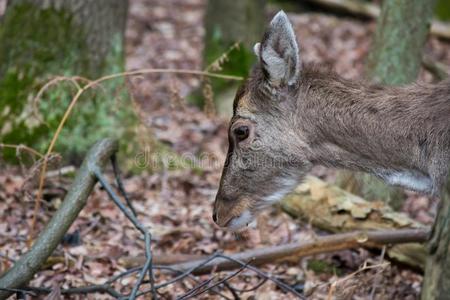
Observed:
{"x":228,"y":23}
{"x":436,"y":284}
{"x":99,"y":23}
{"x":402,"y":30}
{"x":41,"y":39}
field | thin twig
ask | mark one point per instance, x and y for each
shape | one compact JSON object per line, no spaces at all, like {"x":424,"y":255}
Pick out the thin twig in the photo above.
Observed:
{"x":365,"y":267}
{"x":148,"y":264}
{"x":22,"y":147}
{"x":123,"y":274}
{"x":191,"y":292}
{"x":44,"y":88}
{"x":232,"y":290}
{"x":282,"y":285}
{"x":182,"y":274}
{"x":215,"y":284}
{"x":189,"y":271}
{"x":190,"y":276}
{"x":253,"y":288}
{"x":377,"y":278}
{"x":120,"y":186}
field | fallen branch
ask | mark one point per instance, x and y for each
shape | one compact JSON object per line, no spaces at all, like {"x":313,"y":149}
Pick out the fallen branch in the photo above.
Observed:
{"x":369,"y":10}
{"x":325,"y":244}
{"x":30,"y":263}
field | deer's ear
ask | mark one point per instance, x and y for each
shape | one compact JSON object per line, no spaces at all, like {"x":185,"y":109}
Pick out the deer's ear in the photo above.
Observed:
{"x":278,"y":52}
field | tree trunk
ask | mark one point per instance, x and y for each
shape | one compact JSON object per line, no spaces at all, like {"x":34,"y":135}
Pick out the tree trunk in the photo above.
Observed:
{"x":395,"y":59}
{"x":231,"y":23}
{"x":40,"y":39}
{"x":228,"y":22}
{"x":101,"y":21}
{"x":401,"y":34}
{"x":436,"y":284}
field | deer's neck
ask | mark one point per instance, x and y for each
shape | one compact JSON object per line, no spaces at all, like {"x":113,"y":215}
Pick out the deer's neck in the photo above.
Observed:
{"x":390,"y":132}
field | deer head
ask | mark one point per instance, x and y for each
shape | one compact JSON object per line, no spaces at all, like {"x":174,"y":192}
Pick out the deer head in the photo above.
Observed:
{"x":264,"y":159}
{"x":288,"y":117}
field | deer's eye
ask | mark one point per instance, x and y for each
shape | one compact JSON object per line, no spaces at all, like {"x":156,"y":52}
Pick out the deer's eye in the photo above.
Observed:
{"x":241,"y":133}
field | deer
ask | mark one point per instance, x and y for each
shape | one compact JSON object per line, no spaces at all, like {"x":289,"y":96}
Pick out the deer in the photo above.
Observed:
{"x":289,"y":116}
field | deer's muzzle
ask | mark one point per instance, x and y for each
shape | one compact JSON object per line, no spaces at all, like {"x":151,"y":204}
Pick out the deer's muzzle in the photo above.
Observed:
{"x":231,"y":214}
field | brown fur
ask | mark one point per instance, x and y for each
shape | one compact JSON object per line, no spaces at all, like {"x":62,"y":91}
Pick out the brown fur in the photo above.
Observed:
{"x":344,"y":124}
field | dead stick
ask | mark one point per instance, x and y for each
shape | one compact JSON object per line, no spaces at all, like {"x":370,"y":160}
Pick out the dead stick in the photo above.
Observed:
{"x":25,"y":268}
{"x":330,"y":243}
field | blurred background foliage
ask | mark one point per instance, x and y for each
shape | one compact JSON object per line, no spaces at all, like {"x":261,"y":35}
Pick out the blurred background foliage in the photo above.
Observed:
{"x":443,"y":10}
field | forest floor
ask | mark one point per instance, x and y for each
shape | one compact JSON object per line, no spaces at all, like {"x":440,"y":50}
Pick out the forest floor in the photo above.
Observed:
{"x":176,"y":204}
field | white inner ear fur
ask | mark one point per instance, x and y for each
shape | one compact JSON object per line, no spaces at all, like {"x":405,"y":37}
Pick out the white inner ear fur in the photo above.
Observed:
{"x":256,"y":49}
{"x":279,"y":51}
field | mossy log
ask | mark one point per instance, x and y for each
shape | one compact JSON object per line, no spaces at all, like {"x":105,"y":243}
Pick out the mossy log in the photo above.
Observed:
{"x":330,"y":208}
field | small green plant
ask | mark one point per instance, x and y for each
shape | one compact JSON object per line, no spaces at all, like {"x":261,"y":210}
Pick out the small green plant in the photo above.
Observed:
{"x":323,"y":267}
